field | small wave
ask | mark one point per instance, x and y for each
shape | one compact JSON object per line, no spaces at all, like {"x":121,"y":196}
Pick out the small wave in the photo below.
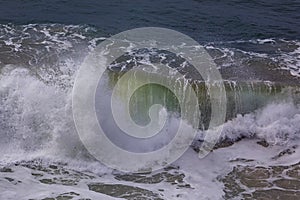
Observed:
{"x":272,"y":54}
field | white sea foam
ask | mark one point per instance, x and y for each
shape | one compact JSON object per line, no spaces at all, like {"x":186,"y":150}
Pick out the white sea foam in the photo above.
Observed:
{"x":292,"y":61}
{"x":278,"y":124}
{"x":36,"y":122}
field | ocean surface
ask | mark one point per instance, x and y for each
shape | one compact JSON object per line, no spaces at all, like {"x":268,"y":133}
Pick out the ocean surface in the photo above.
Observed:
{"x":256,"y":47}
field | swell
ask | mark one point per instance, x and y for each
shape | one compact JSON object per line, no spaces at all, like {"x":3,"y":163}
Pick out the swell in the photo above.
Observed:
{"x":38,"y":64}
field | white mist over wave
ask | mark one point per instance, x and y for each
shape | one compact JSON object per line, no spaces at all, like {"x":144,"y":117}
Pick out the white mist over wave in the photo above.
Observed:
{"x":36,"y":121}
{"x":35,"y":117}
{"x":276,"y":123}
{"x":38,"y":64}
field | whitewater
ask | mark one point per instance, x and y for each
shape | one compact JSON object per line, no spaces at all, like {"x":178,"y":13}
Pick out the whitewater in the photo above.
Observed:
{"x":41,"y":155}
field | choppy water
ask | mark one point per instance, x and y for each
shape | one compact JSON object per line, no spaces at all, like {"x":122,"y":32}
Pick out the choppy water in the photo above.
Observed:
{"x":256,"y":47}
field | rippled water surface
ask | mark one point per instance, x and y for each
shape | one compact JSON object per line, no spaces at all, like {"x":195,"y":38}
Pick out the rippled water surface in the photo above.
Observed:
{"x":256,"y":47}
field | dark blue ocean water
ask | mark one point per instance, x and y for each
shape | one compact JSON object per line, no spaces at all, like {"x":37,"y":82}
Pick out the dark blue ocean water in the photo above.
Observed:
{"x":204,"y":20}
{"x":255,"y":45}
